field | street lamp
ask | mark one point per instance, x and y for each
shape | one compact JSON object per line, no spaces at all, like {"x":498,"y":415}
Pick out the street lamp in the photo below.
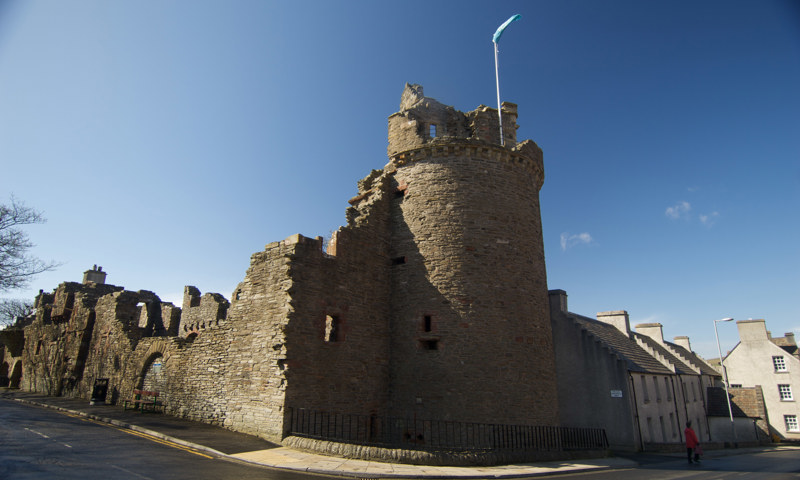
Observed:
{"x":725,"y":376}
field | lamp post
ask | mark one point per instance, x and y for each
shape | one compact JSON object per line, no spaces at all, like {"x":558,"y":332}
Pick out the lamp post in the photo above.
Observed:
{"x":725,"y":376}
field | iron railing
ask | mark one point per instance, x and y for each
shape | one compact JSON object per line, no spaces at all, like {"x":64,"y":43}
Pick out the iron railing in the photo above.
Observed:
{"x":415,"y":434}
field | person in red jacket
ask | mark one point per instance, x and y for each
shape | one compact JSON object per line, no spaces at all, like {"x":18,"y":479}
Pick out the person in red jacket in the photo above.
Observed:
{"x":691,"y":443}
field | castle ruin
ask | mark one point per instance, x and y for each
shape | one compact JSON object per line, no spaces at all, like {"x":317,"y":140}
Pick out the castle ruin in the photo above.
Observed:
{"x":430,"y":303}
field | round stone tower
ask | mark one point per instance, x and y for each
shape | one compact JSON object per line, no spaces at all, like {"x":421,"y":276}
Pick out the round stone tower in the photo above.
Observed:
{"x":470,"y":326}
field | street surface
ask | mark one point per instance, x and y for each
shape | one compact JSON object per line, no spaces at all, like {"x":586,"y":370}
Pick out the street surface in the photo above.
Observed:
{"x":39,"y":443}
{"x":775,"y":465}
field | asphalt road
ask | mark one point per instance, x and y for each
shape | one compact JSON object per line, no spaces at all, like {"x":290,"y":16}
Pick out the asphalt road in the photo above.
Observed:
{"x":38,"y":443}
{"x":772,"y":465}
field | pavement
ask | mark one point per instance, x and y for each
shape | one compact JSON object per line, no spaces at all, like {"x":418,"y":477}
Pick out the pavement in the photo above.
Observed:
{"x":236,"y":446}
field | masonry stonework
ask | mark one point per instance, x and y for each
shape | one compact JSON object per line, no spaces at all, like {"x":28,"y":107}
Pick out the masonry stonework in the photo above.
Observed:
{"x":430,"y":302}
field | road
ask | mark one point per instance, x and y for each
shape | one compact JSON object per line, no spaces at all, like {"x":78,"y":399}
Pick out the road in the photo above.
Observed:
{"x":38,"y":443}
{"x":773,"y":465}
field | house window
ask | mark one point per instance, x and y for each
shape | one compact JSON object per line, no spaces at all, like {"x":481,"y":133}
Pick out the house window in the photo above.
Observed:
{"x":658,"y":392}
{"x":667,"y":389}
{"x":785,"y":392}
{"x":644,"y":388}
{"x":432,"y":130}
{"x":736,"y":385}
{"x":331,"y":329}
{"x":672,"y":425}
{"x":791,"y":423}
{"x":779,"y":363}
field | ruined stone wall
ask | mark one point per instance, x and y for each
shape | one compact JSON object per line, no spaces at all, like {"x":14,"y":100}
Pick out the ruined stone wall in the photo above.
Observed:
{"x":338,"y":334}
{"x":471,"y":337}
{"x":57,"y":340}
{"x":431,"y":301}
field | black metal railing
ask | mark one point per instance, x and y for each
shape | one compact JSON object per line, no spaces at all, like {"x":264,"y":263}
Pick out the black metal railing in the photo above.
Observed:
{"x":396,"y":432}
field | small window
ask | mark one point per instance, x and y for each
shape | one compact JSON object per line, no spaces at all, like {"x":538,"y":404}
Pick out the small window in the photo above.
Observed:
{"x":644,"y":389}
{"x":658,"y":392}
{"x":432,"y":130}
{"x":427,"y":323}
{"x":779,"y":363}
{"x":736,"y":385}
{"x":331,"y":329}
{"x":791,"y":423}
{"x":667,"y":389}
{"x":430,"y":344}
{"x":785,"y":392}
{"x":398,"y":260}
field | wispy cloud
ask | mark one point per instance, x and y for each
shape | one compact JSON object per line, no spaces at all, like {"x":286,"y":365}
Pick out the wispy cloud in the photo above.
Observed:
{"x":678,"y":211}
{"x":710,"y":219}
{"x":569,"y":241}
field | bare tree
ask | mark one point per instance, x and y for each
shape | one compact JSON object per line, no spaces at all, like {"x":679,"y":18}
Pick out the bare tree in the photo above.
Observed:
{"x":17,"y":267}
{"x":12,"y":309}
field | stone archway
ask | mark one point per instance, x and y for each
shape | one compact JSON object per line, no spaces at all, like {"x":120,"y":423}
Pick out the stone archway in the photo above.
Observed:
{"x":153,"y":371}
{"x":16,"y":375}
{"x":154,"y":377}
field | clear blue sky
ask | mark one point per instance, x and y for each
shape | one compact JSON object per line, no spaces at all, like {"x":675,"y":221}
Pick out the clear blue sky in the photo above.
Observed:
{"x":169,"y":140}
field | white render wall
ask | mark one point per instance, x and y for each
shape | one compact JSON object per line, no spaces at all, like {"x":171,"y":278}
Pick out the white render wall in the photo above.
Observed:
{"x":750,"y":364}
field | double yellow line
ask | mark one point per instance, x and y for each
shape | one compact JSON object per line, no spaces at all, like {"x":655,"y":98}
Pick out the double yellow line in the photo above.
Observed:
{"x":141,"y":435}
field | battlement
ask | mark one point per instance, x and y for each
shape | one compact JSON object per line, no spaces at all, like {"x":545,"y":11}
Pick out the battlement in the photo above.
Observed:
{"x":423,"y":121}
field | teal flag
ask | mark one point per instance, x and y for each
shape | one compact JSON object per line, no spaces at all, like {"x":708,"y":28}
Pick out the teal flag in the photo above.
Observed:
{"x":499,"y":31}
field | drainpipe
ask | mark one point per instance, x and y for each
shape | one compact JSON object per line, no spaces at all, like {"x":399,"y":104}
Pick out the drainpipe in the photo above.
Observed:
{"x":705,"y":407}
{"x":677,"y":412}
{"x":636,"y":413}
{"x":683,"y":392}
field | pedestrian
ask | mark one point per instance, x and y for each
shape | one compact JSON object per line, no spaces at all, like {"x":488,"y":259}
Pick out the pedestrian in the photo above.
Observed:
{"x":692,"y":443}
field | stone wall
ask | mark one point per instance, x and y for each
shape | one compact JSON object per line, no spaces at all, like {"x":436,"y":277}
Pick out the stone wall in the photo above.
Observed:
{"x":431,"y":301}
{"x":471,"y":336}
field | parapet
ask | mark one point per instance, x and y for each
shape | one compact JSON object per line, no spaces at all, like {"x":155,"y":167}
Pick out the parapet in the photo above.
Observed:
{"x":423,"y":120}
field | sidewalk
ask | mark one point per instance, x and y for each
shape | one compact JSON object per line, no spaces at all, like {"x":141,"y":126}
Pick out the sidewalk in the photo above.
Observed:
{"x":231,"y":445}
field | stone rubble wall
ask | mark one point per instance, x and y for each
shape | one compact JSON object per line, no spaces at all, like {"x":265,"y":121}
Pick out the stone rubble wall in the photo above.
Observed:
{"x":431,"y":301}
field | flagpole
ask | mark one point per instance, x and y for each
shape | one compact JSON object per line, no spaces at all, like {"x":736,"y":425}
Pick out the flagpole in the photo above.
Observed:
{"x":495,"y":39}
{"x":497,"y":82}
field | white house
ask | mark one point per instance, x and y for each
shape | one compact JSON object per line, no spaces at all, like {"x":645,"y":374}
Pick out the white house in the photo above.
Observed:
{"x":758,"y":360}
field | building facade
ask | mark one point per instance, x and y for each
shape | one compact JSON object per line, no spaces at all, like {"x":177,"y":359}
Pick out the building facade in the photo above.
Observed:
{"x":759,"y":360}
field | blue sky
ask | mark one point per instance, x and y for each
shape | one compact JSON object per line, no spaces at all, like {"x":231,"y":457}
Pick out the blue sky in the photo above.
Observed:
{"x":169,"y":140}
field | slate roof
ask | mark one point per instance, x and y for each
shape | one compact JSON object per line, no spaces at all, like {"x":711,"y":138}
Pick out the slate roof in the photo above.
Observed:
{"x":703,"y":365}
{"x":636,"y":357}
{"x":680,"y":367}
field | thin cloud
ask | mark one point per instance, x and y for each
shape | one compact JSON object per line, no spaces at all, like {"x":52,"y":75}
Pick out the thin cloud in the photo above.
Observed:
{"x":569,"y":241}
{"x":678,"y":211}
{"x":710,"y":219}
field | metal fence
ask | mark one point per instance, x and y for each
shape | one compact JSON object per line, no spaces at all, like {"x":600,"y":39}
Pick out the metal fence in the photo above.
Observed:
{"x":396,"y":432}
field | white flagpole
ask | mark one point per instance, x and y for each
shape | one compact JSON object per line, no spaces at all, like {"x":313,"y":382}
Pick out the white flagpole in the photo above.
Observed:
{"x":495,"y":39}
{"x":497,"y":82}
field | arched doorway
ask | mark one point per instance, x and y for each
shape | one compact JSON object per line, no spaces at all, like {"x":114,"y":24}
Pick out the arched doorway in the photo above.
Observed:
{"x":154,"y":377}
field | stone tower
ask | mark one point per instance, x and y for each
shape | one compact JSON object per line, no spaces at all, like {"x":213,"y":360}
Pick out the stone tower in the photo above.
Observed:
{"x":470,"y":328}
